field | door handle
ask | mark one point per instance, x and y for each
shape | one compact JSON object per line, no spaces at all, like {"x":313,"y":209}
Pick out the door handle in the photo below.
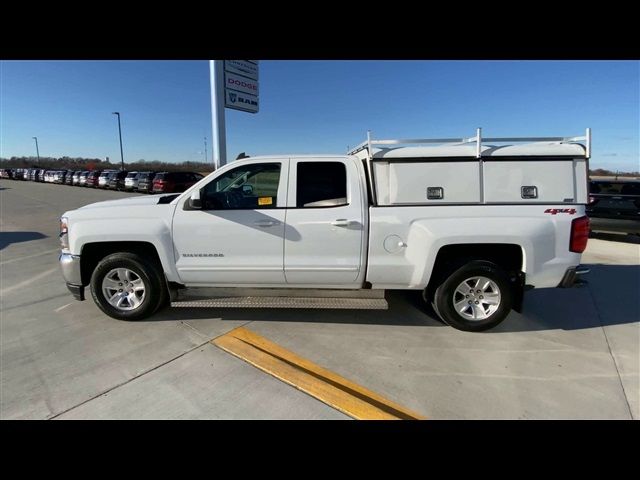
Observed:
{"x":266,"y":223}
{"x":341,"y":222}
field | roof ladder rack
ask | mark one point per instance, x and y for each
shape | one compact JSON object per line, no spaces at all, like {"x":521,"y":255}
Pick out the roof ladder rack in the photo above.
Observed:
{"x":477,"y":139}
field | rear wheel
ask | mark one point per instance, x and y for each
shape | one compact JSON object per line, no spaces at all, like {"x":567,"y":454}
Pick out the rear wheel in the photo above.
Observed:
{"x":475,"y":297}
{"x":128,"y":287}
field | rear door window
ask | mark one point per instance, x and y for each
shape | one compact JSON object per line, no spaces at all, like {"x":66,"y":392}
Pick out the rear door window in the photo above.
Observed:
{"x":321,"y":184}
{"x":630,"y":189}
{"x":615,"y":188}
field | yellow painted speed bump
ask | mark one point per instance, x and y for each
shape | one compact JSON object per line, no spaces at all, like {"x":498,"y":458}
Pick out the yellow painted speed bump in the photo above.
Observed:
{"x":328,"y":387}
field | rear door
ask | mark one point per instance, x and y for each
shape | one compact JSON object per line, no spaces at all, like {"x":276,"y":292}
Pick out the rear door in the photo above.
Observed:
{"x":324,"y":231}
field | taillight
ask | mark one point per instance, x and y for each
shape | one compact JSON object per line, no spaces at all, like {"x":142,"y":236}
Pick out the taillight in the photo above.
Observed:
{"x":579,"y":234}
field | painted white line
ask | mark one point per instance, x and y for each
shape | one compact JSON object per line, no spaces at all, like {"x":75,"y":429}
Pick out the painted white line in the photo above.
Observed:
{"x":28,"y":282}
{"x":28,"y":256}
{"x":62,"y":307}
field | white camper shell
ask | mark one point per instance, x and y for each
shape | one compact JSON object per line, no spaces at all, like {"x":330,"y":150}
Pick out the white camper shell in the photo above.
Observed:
{"x":466,"y":171}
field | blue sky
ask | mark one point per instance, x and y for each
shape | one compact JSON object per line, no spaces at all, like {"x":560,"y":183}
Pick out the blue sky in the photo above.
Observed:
{"x":314,"y":106}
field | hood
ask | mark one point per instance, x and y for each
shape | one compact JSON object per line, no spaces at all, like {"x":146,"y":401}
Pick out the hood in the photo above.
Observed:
{"x":135,"y":201}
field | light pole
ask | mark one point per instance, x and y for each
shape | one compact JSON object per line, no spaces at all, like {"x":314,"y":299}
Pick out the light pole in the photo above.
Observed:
{"x":37,"y":149}
{"x":219,"y":139}
{"x":120,"y":133}
{"x":206,"y":156}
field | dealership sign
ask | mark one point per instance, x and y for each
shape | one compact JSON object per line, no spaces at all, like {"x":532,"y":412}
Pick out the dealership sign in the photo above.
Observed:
{"x":241,"y":85}
{"x":246,"y":68}
{"x":241,"y":101}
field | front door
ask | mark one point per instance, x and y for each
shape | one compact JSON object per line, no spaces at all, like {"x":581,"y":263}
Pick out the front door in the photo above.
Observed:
{"x":237,"y":237}
{"x":325,"y":224}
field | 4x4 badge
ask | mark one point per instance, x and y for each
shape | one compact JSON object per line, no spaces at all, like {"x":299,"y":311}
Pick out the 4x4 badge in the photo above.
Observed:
{"x":554,"y":211}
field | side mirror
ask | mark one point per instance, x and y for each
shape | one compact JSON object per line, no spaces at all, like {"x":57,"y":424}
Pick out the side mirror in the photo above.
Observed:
{"x":194,"y":200}
{"x":247,"y":190}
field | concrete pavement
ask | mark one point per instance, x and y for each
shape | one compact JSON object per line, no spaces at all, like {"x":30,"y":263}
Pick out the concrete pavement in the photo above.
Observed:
{"x":572,"y":354}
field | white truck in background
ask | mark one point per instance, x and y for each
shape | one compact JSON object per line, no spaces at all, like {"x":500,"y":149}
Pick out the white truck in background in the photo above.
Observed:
{"x":470,"y":222}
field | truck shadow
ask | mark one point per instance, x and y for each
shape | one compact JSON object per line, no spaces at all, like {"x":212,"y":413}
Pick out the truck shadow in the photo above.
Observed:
{"x":611,"y":298}
{"x":7,"y":238}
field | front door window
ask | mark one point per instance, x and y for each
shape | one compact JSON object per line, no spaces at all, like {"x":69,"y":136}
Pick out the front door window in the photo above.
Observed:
{"x":249,"y":187}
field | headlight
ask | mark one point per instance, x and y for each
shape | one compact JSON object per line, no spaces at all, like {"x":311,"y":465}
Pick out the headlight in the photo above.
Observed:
{"x":64,"y":233}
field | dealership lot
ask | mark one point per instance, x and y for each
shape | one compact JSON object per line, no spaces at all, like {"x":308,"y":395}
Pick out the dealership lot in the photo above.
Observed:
{"x":572,"y":354}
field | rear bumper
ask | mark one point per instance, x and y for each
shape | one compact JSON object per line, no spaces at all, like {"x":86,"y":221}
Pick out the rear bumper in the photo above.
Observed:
{"x":572,"y":277}
{"x":70,"y":266}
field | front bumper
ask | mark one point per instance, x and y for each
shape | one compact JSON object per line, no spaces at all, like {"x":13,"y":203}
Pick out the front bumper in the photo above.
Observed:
{"x":572,"y":277}
{"x":77,"y":291}
{"x":70,"y":266}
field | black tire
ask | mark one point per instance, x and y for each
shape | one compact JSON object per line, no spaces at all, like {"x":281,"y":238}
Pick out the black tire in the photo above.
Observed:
{"x":446,"y":293}
{"x":151,"y":275}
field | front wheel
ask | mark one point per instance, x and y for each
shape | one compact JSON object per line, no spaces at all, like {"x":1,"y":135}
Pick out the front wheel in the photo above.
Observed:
{"x":128,"y":287}
{"x":475,"y":297}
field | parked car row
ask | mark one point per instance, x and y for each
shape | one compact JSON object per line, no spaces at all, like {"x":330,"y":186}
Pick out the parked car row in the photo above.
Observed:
{"x":143,"y":182}
{"x":6,"y":173}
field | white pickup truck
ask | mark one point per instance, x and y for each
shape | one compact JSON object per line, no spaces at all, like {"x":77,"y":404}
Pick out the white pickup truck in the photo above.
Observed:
{"x":470,"y":222}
